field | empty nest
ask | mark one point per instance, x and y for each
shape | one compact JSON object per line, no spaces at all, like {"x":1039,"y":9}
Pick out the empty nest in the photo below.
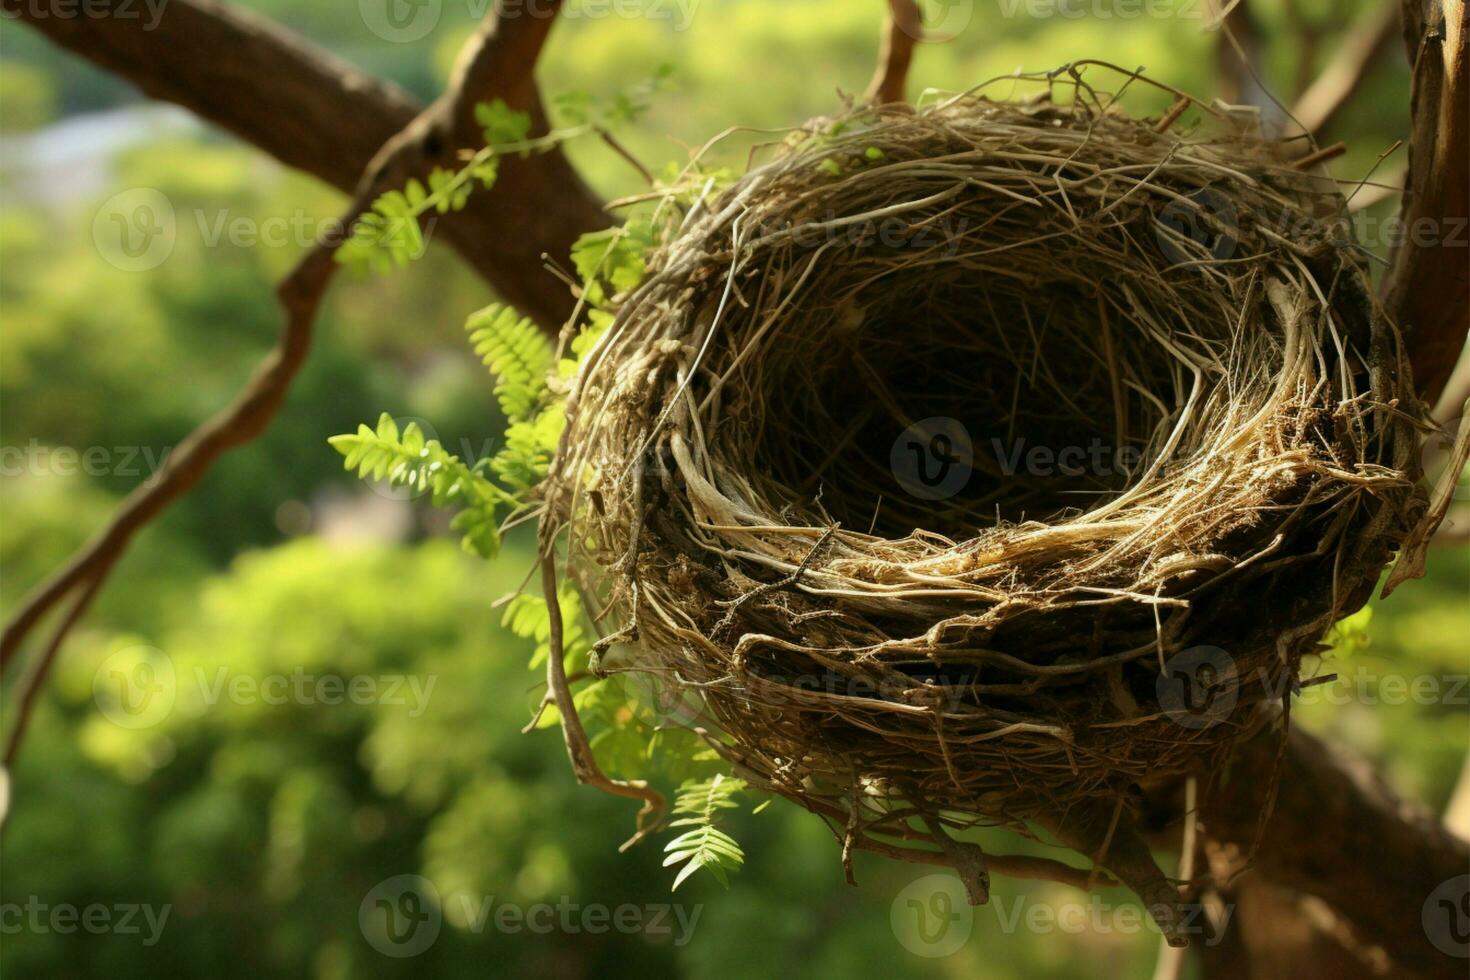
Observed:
{"x":979,"y":463}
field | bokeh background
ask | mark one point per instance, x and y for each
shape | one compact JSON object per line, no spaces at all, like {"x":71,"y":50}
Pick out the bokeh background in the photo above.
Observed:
{"x":260,"y":827}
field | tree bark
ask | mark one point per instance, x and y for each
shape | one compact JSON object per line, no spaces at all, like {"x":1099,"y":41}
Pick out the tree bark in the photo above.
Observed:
{"x":1340,"y":835}
{"x":1428,"y":286}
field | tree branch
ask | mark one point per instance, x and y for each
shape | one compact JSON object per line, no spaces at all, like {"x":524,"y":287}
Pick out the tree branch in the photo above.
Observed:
{"x":314,"y":112}
{"x":1428,"y":285}
{"x":1339,"y":834}
{"x":901,"y":31}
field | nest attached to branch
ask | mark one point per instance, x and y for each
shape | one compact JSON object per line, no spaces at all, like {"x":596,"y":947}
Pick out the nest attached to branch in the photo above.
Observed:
{"x":977,"y":464}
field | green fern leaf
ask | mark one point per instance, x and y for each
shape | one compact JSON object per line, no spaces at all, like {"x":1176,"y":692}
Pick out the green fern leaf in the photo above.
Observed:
{"x":697,"y":804}
{"x":407,"y":459}
{"x":517,"y":353}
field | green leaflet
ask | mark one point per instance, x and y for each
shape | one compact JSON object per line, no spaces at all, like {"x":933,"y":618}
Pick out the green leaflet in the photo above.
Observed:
{"x":697,"y":805}
{"x":407,"y":459}
{"x":517,"y":353}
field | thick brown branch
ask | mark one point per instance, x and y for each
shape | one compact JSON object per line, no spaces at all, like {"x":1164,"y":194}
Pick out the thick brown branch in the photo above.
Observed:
{"x":1428,"y":285}
{"x":1339,"y":834}
{"x":314,"y":112}
{"x":1344,"y":74}
{"x":901,"y":31}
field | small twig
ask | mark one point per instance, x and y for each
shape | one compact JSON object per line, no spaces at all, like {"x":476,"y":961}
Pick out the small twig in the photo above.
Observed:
{"x":967,"y":859}
{"x":579,"y":750}
{"x":1170,"y":965}
{"x":616,"y":145}
{"x":784,"y":583}
{"x":1172,"y":116}
{"x":1320,"y":156}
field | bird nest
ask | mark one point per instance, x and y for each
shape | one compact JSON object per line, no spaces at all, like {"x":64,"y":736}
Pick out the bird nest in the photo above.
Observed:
{"x":976,"y":464}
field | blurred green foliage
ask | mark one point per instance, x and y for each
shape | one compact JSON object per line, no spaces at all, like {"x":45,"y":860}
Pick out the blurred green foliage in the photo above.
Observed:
{"x":262,"y":827}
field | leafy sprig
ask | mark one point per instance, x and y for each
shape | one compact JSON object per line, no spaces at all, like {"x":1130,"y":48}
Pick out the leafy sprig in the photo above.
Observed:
{"x":390,"y":234}
{"x":698,"y":805}
{"x":408,"y":459}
